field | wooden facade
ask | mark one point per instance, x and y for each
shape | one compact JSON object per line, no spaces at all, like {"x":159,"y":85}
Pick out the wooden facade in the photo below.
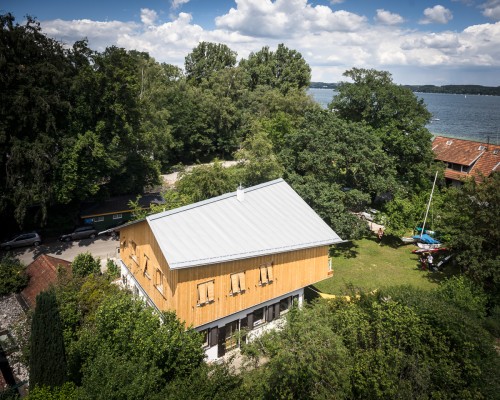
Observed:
{"x":207,"y":293}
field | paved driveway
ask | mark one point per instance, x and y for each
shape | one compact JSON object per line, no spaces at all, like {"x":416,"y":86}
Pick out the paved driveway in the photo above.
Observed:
{"x":102,"y":246}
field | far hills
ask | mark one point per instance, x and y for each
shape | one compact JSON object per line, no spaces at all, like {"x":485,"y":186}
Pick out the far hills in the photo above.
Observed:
{"x":450,"y":89}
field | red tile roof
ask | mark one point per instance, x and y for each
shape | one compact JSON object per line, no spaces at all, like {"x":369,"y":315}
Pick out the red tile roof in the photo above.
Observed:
{"x":42,"y":273}
{"x":483,"y":158}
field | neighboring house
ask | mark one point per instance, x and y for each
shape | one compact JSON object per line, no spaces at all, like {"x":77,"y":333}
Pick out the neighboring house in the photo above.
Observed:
{"x":465,"y":159}
{"x":116,"y":210}
{"x":42,"y":272}
{"x":234,"y":262}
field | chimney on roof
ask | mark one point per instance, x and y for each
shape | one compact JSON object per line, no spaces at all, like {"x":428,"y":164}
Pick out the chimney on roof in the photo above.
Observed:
{"x":240,"y":193}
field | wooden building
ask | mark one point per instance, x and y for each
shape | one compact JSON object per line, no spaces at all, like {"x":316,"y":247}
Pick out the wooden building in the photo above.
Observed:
{"x":465,"y":159}
{"x":116,"y":210}
{"x":237,"y":261}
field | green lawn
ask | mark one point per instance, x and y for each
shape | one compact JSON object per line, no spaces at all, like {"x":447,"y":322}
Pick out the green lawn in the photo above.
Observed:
{"x":366,"y":265}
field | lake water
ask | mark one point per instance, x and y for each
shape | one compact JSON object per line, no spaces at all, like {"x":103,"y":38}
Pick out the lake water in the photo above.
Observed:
{"x":468,"y":117}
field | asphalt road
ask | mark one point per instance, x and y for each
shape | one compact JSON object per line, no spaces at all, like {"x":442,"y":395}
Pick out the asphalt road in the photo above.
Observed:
{"x":102,"y":246}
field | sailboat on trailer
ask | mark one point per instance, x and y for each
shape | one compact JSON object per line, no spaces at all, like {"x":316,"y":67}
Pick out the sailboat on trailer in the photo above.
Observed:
{"x":425,"y":241}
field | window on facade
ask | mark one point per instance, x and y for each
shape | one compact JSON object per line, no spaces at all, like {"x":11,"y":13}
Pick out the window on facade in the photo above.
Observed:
{"x":146,"y":269}
{"x":117,"y":216}
{"x":238,"y":283}
{"x":206,"y":293}
{"x":98,"y":219}
{"x":481,"y":148}
{"x":159,"y":280}
{"x":134,"y":245}
{"x":285,"y":305}
{"x":259,"y":317}
{"x":266,"y":273}
{"x":232,"y":329}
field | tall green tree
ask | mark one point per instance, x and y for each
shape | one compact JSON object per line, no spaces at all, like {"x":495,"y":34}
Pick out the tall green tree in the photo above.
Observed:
{"x":469,"y":222}
{"x":284,"y":69}
{"x":396,"y":114}
{"x":337,"y":167}
{"x":125,"y":332}
{"x":35,"y":102}
{"x":207,"y":58}
{"x":47,"y":352}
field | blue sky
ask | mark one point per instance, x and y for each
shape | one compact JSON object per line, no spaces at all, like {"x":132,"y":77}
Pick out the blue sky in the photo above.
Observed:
{"x":418,"y":41}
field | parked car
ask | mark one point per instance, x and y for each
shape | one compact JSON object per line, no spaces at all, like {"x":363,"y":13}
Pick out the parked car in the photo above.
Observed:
{"x":81,"y":232}
{"x":23,"y":239}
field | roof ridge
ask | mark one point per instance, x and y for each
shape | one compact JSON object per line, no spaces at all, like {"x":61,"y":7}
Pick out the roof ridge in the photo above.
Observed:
{"x":211,"y":200}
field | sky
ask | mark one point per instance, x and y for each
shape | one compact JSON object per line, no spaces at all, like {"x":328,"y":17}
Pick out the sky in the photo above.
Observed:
{"x":418,"y":41}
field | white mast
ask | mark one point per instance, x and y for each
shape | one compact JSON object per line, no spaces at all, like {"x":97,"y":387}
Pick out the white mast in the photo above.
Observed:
{"x":429,"y":204}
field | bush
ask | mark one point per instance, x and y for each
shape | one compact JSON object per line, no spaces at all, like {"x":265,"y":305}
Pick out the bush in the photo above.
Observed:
{"x":84,"y":264}
{"x":112,"y":268}
{"x":12,"y":275}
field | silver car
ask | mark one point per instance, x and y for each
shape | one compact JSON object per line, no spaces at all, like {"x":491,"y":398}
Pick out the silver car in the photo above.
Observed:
{"x":24,"y":239}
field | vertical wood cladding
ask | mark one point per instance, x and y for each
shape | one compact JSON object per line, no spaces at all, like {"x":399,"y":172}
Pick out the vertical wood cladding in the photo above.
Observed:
{"x":289,"y":271}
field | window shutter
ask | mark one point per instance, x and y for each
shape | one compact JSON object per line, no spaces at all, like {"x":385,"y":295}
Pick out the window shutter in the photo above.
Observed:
{"x":213,"y":339}
{"x":210,"y":291}
{"x":263,"y":275}
{"x":221,"y":349}
{"x":234,"y":284}
{"x":270,"y":272}
{"x":242,"y":281}
{"x":269,"y":312}
{"x":250,"y":320}
{"x":202,"y":293}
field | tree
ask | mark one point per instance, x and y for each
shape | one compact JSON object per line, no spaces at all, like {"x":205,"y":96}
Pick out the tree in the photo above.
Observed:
{"x":398,"y":343}
{"x":284,"y":69}
{"x":469,"y":223}
{"x":125,"y":332}
{"x":337,"y":166}
{"x":35,"y":104}
{"x":207,"y":58}
{"x":47,"y":352}
{"x":85,"y":264}
{"x":12,"y":275}
{"x":206,"y":181}
{"x":398,"y":117}
{"x":259,"y":163}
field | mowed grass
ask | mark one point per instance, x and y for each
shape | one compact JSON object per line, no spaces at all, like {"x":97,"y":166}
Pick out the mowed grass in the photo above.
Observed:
{"x":366,"y":265}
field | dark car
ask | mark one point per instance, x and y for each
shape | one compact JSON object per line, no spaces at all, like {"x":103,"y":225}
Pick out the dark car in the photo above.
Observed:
{"x":82,"y":232}
{"x":23,"y":239}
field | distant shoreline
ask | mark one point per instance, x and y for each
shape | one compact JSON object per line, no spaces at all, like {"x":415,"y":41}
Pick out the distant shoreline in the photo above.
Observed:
{"x":446,"y":89}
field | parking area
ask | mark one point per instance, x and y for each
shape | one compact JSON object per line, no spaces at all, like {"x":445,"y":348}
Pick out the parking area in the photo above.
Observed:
{"x":102,"y":246}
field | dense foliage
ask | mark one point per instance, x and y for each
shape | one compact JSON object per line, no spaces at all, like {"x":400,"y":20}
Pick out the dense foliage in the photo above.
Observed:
{"x":402,"y":343}
{"x":85,"y":264}
{"x":469,"y":223}
{"x":47,"y":364}
{"x":12,"y":276}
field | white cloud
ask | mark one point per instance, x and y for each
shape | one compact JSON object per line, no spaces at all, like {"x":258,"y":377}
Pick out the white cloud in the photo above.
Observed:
{"x":177,"y":3}
{"x":491,"y":9}
{"x":333,"y":2}
{"x":148,"y":17}
{"x":388,"y":18}
{"x":328,"y":43}
{"x":286,"y":18}
{"x":436,"y":15}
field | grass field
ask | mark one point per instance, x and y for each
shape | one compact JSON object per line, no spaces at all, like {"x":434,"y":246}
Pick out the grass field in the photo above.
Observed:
{"x":366,"y":265}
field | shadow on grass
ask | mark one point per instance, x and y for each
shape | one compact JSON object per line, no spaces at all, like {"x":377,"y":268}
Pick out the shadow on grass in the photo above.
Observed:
{"x":443,"y":273}
{"x":311,"y":293}
{"x":346,"y":250}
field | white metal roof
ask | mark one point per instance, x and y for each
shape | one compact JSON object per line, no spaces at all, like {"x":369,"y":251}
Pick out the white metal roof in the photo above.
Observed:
{"x":271,"y":219}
